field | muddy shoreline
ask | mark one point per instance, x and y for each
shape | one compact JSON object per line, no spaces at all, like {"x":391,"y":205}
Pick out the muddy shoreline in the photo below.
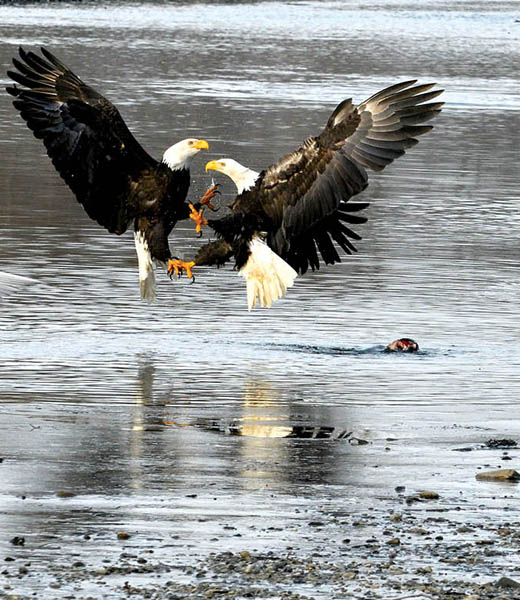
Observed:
{"x":406,"y":555}
{"x":405,"y":543}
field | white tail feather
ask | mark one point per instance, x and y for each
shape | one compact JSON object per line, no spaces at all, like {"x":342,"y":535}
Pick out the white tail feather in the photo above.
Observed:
{"x":267,"y":275}
{"x":146,"y":268}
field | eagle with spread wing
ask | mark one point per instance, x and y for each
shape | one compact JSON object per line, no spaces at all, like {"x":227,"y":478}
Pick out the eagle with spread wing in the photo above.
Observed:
{"x":116,"y":181}
{"x":299,"y":208}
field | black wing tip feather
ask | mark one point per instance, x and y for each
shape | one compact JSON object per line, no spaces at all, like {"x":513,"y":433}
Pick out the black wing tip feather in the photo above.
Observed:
{"x":55,"y":61}
{"x":12,"y":89}
{"x":31,"y":63}
{"x":390,"y":122}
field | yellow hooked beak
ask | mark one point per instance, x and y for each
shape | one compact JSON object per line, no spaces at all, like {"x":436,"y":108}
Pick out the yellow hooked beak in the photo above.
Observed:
{"x":212,"y":165}
{"x":201,"y":145}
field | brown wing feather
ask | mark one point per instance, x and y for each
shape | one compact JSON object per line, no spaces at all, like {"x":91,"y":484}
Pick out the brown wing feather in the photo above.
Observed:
{"x":304,"y":196}
{"x":84,"y":134}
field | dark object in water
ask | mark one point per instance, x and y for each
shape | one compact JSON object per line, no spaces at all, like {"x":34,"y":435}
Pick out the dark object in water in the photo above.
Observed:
{"x":402,"y":345}
{"x":17,"y":541}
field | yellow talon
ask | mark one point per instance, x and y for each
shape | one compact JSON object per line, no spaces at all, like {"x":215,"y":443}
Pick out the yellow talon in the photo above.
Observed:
{"x":209,"y":194}
{"x":176,"y":267}
{"x":198,"y":217}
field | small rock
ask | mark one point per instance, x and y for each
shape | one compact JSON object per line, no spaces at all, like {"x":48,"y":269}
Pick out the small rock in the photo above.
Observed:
{"x":418,"y":531}
{"x":395,"y":570}
{"x":425,"y":495}
{"x":396,"y":518}
{"x":123,"y":535}
{"x":357,"y":442}
{"x":499,"y":475}
{"x":507,"y":582}
{"x":412,"y":499}
{"x":465,"y":529}
{"x":65,"y":494}
{"x":424,"y":570}
{"x":394,"y":542}
{"x":504,"y":443}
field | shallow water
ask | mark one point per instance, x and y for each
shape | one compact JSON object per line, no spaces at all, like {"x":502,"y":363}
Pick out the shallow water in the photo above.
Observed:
{"x":132,"y":407}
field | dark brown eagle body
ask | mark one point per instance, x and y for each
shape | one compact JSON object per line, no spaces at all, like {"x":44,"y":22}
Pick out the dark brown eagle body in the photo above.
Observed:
{"x":117,"y":182}
{"x":156,"y":198}
{"x":301,"y":206}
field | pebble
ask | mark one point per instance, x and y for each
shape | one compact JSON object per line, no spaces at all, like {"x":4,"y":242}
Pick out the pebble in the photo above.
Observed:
{"x":78,"y":563}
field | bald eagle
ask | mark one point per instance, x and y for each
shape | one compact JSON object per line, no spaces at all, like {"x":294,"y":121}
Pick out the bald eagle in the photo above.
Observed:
{"x":300,"y":207}
{"x":117,"y":182}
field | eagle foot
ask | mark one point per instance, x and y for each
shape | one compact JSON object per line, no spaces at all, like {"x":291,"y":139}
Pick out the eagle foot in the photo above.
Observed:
{"x":177,"y":267}
{"x":210,"y":193}
{"x":198,"y":217}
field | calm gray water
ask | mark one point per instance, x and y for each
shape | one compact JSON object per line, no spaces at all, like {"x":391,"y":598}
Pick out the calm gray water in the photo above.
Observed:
{"x":93,"y":380}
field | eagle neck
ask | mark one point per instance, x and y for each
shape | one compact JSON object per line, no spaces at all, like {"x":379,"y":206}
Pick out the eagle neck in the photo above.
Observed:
{"x":177,"y":160}
{"x":183,"y":166}
{"x":245,"y":179}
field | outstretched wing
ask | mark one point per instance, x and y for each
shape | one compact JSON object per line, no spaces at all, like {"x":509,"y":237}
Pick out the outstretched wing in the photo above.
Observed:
{"x":85,"y":136}
{"x":306,"y":194}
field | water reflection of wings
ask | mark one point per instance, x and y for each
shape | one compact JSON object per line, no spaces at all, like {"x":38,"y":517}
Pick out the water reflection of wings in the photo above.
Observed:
{"x":264,"y":417}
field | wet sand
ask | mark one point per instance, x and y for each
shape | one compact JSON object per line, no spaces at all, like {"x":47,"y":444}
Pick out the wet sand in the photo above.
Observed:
{"x":416,"y":524}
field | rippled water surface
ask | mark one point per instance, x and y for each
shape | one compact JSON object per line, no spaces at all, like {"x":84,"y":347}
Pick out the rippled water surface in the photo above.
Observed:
{"x":132,"y":406}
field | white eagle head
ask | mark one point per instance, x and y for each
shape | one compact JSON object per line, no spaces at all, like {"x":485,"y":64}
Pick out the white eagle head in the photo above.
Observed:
{"x":180,"y":155}
{"x":243,"y":177}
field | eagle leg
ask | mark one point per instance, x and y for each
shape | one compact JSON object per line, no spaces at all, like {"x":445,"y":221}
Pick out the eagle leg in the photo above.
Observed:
{"x":198,"y":217}
{"x":177,"y":267}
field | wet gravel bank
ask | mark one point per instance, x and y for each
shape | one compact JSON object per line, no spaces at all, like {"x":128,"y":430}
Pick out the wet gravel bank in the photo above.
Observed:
{"x":413,"y":546}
